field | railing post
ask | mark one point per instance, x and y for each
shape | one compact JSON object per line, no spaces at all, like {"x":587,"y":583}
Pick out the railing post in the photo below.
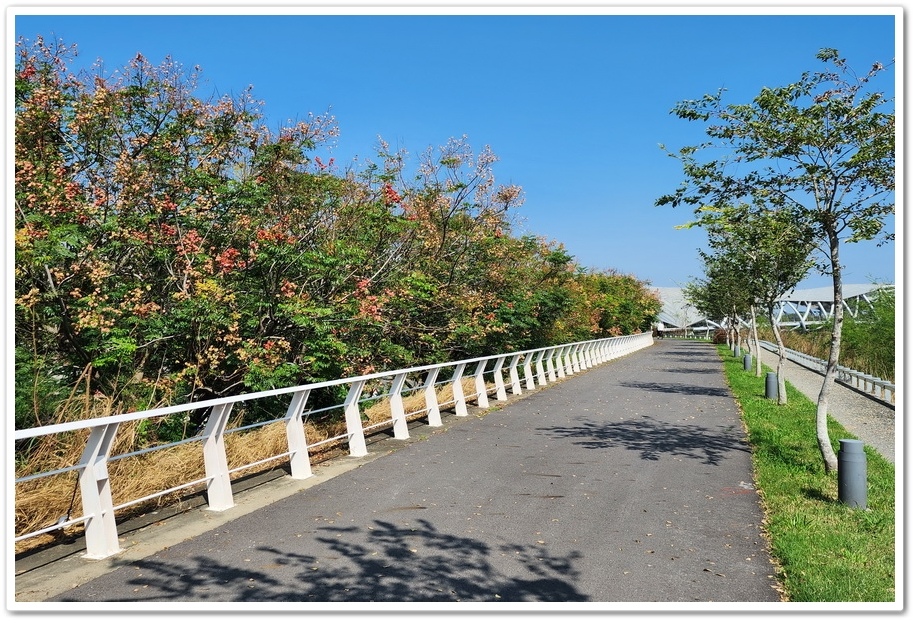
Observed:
{"x":100,"y":527}
{"x":461,"y":407}
{"x":513,"y":374}
{"x":539,"y":367}
{"x":529,"y":377}
{"x":587,"y":356}
{"x":355,"y":432}
{"x":498,"y":379}
{"x":299,"y":465}
{"x":396,"y":400}
{"x":219,"y":485}
{"x":551,"y":371}
{"x":879,"y":389}
{"x":574,"y":358}
{"x":562,"y":361}
{"x":432,"y":401}
{"x":480,"y":385}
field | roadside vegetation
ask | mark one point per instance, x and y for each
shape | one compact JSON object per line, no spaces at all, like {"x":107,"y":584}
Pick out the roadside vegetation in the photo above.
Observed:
{"x":869,"y":343}
{"x":171,"y":248}
{"x":824,"y":550}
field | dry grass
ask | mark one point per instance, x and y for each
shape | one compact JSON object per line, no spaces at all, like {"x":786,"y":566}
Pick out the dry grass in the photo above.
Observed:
{"x":817,"y":344}
{"x":42,"y":502}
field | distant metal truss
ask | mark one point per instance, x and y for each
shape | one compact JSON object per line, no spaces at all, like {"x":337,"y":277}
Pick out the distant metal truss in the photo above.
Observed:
{"x":800,"y":309}
{"x":797,"y":309}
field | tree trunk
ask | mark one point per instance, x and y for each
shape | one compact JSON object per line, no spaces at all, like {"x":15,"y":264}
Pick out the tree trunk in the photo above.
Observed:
{"x":782,"y":397}
{"x":823,"y":435}
{"x":756,"y":338}
{"x":737,"y":325}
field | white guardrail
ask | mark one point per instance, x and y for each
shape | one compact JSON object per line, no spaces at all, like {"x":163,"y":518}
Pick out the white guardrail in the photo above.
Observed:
{"x":873,"y":386}
{"x":538,"y":366}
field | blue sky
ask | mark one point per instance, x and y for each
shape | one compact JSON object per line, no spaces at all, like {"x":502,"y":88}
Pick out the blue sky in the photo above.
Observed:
{"x":574,"y":105}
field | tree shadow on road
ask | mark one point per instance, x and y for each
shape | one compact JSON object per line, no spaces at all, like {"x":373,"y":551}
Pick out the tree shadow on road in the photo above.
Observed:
{"x":678,"y":388}
{"x":692,"y":370}
{"x":412,"y":562}
{"x":654,"y":439}
{"x":666,"y":357}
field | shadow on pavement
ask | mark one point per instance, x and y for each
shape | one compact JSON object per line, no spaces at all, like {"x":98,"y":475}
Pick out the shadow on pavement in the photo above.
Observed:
{"x":385,"y":562}
{"x":678,"y":388}
{"x":654,"y":439}
{"x":693,"y":371}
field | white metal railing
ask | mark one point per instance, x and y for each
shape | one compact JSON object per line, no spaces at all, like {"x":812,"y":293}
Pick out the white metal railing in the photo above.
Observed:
{"x":531,"y":368}
{"x":872,"y":385}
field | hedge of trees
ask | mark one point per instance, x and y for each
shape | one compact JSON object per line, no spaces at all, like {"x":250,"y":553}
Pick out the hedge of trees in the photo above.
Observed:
{"x":170,"y":248}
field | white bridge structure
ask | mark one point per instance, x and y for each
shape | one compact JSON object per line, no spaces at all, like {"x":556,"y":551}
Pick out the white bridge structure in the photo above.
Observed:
{"x":801,"y":308}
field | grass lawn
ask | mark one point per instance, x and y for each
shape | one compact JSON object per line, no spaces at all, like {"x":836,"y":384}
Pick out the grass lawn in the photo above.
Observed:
{"x":825,"y":550}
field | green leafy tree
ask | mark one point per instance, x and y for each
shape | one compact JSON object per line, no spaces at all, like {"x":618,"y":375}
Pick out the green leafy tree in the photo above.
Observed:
{"x":765,"y":250}
{"x":723,"y":294}
{"x":821,"y":148}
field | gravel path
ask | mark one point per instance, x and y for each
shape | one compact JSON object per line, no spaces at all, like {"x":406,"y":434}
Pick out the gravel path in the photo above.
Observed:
{"x":869,"y":420}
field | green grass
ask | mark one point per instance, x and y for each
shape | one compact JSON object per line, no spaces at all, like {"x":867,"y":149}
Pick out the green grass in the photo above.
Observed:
{"x":825,"y":550}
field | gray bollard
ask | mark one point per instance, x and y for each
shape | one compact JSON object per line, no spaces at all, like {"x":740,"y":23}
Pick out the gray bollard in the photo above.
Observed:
{"x":852,"y":473}
{"x":747,"y":362}
{"x":737,"y":351}
{"x":771,"y":390}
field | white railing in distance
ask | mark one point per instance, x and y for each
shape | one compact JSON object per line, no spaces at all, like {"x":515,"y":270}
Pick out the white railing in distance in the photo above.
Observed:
{"x":875,"y":387}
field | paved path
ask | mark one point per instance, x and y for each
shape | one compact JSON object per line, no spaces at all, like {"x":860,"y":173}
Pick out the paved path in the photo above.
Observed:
{"x":630,"y":482}
{"x":867,"y":419}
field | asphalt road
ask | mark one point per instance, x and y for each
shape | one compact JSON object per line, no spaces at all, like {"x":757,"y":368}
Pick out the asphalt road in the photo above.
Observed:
{"x":630,"y":482}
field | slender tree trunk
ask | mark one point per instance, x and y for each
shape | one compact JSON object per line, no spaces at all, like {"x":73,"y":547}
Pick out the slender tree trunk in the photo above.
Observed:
{"x":823,"y":435}
{"x":756,"y":339}
{"x":737,"y":328}
{"x":782,"y":397}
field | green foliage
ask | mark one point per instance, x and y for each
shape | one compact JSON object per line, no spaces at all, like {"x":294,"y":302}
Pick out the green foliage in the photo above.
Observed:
{"x":39,"y":390}
{"x":869,"y":338}
{"x":173,"y":248}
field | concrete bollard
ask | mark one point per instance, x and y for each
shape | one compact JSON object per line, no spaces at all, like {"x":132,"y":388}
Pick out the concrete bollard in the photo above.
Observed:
{"x":747,"y":362}
{"x":771,"y":390}
{"x":737,"y":351}
{"x":851,"y":473}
